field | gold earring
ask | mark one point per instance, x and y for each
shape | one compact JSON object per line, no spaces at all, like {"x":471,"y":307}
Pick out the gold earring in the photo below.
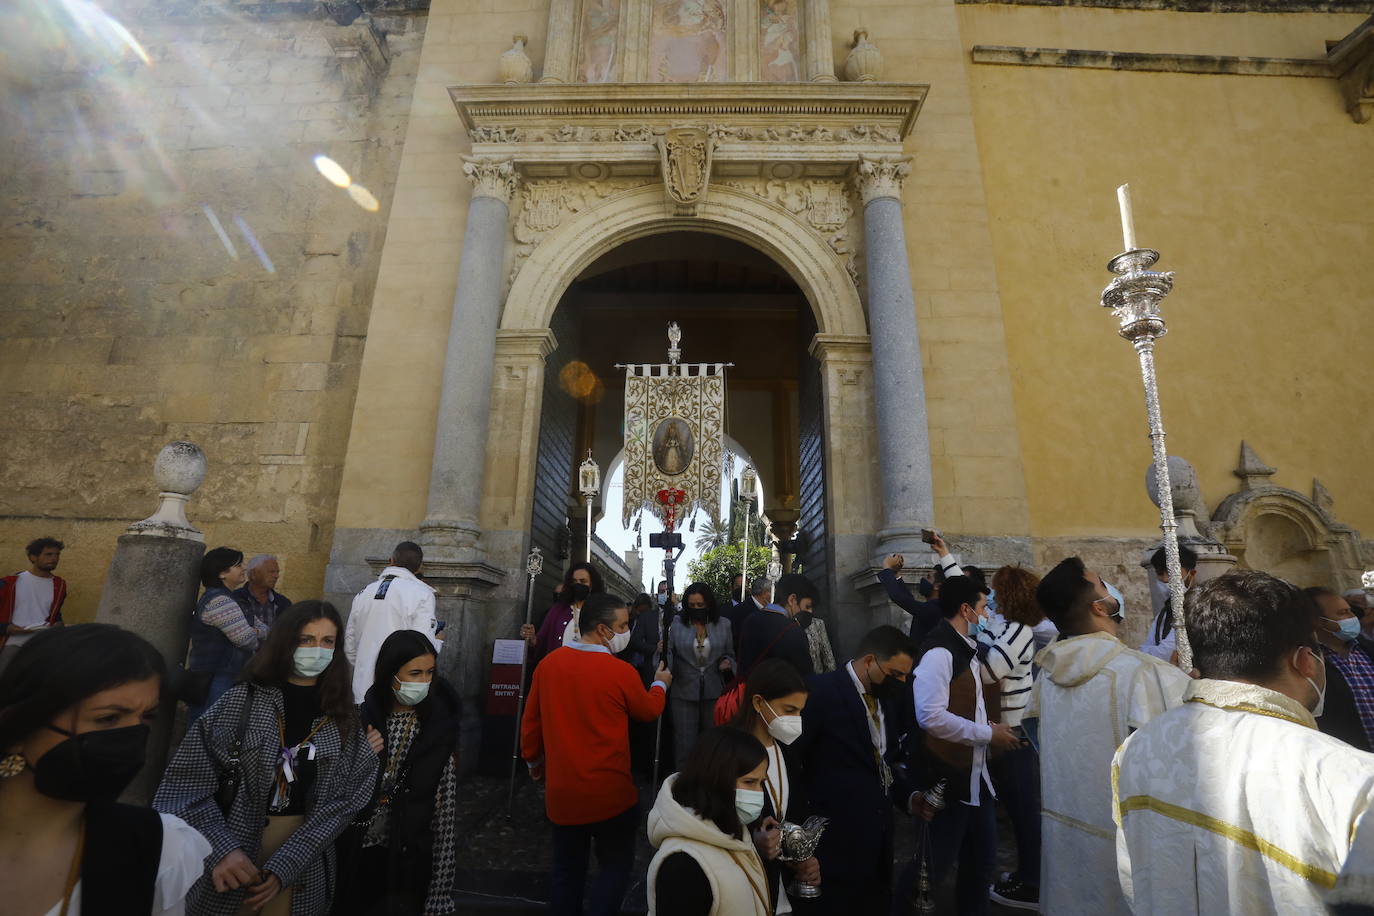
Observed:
{"x":11,"y":765}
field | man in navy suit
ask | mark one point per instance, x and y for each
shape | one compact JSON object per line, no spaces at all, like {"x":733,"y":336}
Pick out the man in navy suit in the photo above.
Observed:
{"x":849,"y":737}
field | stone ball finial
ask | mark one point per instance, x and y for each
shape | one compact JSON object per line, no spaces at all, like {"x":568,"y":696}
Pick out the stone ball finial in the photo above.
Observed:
{"x":515,"y":64}
{"x":1183,"y":485}
{"x":179,"y":468}
{"x":864,"y":63}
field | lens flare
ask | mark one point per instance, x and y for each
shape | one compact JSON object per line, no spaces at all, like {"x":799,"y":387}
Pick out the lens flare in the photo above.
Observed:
{"x":254,"y":244}
{"x":363,"y":198}
{"x":332,"y":171}
{"x":578,"y":380}
{"x":219,"y":231}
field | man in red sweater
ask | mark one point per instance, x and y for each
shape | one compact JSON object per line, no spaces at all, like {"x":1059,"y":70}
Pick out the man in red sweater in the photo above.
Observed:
{"x":576,"y":737}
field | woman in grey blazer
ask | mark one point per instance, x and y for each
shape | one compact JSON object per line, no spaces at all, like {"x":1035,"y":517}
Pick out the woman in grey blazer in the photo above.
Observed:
{"x":288,"y":787}
{"x":703,"y":662}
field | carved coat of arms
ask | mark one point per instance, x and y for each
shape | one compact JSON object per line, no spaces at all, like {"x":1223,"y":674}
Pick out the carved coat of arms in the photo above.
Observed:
{"x":543,"y":209}
{"x":686,"y":161}
{"x":827,"y":209}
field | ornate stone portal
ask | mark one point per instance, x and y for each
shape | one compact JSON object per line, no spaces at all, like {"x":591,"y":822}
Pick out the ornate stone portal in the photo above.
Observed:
{"x":809,"y":173}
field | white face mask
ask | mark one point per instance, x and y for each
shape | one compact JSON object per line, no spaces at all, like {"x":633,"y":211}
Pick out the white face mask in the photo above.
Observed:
{"x":784,"y":728}
{"x":618,"y":642}
{"x":748,"y":804}
{"x":1321,"y":693}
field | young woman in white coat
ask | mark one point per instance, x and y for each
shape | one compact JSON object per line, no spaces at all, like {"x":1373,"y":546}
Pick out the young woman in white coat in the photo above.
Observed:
{"x":706,"y":864}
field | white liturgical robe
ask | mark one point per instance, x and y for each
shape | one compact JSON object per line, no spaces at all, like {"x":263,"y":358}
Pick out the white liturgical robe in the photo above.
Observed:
{"x":1235,"y":803}
{"x":1092,"y":692}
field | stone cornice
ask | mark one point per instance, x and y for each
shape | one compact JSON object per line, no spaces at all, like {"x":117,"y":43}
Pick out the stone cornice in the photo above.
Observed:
{"x":844,"y":347}
{"x":531,"y":343}
{"x":1151,"y":62}
{"x":890,"y":105}
{"x":1200,"y":6}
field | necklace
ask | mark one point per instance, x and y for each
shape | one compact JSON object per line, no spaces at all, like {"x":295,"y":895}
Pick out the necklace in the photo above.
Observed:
{"x":74,"y":873}
{"x":286,"y":762}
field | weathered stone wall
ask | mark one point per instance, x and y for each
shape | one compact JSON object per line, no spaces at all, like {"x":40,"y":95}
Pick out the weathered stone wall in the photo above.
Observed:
{"x":175,"y":267}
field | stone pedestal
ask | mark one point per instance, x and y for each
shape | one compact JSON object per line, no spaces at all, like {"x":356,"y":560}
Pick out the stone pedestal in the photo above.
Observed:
{"x":898,"y":377}
{"x":151,"y":587}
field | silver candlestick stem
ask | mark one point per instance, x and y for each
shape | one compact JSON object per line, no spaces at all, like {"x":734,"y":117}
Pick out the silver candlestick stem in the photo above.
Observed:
{"x":1134,"y":297}
{"x":534,"y":565}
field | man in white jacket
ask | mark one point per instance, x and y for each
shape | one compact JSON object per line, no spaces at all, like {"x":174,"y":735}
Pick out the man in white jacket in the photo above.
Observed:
{"x":398,"y":600}
{"x":1235,"y":802}
{"x":1092,"y":692}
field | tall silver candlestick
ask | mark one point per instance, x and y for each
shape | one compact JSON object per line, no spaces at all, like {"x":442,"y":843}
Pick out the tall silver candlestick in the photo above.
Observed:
{"x":1134,"y":298}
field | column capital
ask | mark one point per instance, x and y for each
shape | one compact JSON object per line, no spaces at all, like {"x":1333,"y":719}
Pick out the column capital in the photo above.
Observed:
{"x":491,"y":176}
{"x":530,"y":343}
{"x":853,"y":347}
{"x":882,"y":176}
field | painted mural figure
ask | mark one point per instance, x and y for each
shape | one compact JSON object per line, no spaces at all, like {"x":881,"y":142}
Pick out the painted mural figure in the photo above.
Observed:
{"x":688,"y":43}
{"x":600,"y":33}
{"x":779,"y":41}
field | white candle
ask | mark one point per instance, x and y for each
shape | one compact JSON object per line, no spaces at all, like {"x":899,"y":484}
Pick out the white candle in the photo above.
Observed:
{"x":1123,"y":198}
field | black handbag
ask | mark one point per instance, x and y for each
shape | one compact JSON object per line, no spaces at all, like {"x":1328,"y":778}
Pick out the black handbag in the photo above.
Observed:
{"x":229,"y":783}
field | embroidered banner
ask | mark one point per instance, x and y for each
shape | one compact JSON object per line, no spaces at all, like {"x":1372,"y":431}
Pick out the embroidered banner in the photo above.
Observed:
{"x":674,"y":436}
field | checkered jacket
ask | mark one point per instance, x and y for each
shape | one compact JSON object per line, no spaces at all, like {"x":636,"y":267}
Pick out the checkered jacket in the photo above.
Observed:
{"x":346,"y":772}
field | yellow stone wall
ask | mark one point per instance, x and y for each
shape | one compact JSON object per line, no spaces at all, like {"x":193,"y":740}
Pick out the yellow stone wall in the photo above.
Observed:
{"x":1255,"y":189}
{"x":126,"y":323}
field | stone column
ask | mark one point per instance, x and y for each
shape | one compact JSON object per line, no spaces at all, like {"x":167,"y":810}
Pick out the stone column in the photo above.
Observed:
{"x":820,"y":47}
{"x":151,"y":590}
{"x":558,"y":43}
{"x":898,"y":379}
{"x":451,"y":526}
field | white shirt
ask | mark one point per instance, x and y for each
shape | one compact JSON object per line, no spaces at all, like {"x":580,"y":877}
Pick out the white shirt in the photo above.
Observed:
{"x":1162,"y":649}
{"x":405,"y":603}
{"x":877,"y":733}
{"x":930,"y":687}
{"x":181,"y":864}
{"x":32,"y":604}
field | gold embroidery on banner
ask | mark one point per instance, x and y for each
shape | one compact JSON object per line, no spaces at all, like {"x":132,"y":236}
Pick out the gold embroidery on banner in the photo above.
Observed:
{"x":1233,"y":833}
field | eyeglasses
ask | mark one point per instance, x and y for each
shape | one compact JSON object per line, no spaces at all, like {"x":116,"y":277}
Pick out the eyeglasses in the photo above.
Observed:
{"x":899,"y":675}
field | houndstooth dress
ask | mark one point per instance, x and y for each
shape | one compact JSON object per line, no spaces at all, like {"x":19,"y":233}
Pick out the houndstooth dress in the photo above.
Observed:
{"x":346,"y":771}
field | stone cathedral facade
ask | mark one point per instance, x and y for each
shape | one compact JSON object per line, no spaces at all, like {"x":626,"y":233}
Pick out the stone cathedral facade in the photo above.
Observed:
{"x":894,"y":220}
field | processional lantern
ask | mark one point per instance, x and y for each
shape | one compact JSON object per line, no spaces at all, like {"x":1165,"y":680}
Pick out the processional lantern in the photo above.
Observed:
{"x":589,"y":482}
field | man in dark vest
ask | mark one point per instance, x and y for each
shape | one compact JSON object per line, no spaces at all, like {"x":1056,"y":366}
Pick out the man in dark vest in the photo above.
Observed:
{"x":955,"y":740}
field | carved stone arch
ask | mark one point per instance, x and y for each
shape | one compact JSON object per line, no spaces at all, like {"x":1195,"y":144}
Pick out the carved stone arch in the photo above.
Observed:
{"x":1285,"y":533}
{"x":564,"y":253}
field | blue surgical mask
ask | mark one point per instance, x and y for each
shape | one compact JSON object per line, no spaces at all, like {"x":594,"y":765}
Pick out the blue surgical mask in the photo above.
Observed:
{"x":310,"y":661}
{"x":1115,"y":592}
{"x":748,"y":804}
{"x":410,"y":693}
{"x":1348,"y":629}
{"x":978,"y":626}
{"x":992,"y":601}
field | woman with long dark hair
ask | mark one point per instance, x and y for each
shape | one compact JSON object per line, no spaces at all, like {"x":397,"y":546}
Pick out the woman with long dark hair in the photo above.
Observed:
{"x":223,"y":635}
{"x":398,"y":858}
{"x":74,"y":708}
{"x":274,"y":772}
{"x":772,"y":712}
{"x":560,"y":623}
{"x":706,"y":864}
{"x":702,"y":652}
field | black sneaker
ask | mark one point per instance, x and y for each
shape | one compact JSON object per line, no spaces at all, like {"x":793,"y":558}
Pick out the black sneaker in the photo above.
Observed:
{"x":1017,"y":895}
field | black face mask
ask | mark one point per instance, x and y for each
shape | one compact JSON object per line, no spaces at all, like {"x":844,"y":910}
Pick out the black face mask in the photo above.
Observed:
{"x":804,"y":618}
{"x":697,"y":614}
{"x":92,"y":766}
{"x":890,"y":689}
{"x":579,"y":592}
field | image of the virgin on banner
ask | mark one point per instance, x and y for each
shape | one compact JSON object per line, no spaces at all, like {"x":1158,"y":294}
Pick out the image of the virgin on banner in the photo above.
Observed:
{"x":674,"y":436}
